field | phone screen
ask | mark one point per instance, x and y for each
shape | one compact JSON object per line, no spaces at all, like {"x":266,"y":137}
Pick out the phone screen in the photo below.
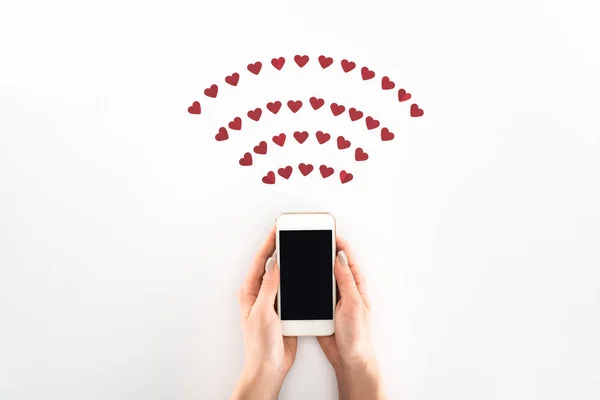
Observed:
{"x":306,"y":274}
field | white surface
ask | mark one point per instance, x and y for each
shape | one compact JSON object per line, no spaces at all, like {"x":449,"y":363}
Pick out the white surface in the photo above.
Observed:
{"x":307,"y":221}
{"x":126,"y":230}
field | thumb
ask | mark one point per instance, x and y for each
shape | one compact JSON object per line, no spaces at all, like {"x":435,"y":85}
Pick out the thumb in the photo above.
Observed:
{"x":270,"y":283}
{"x":344,"y":276}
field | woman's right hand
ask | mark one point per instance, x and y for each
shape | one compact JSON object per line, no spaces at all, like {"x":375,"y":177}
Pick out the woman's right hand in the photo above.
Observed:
{"x":350,"y":350}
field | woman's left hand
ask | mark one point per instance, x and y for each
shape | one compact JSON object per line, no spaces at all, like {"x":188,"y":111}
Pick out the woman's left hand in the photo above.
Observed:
{"x":269,"y":355}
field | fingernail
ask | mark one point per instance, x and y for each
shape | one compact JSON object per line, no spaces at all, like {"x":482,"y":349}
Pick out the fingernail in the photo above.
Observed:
{"x":269,"y":264}
{"x":343,"y":257}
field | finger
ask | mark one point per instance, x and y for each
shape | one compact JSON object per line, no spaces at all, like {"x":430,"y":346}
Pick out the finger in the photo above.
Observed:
{"x":344,"y":277}
{"x":359,"y":278}
{"x":252,"y":282}
{"x":270,"y":284}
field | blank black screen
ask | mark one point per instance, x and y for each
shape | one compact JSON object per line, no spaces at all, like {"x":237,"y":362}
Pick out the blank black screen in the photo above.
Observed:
{"x":306,"y":274}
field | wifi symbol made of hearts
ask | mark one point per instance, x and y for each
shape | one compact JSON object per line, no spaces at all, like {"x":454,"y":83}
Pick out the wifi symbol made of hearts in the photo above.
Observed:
{"x":313,"y":104}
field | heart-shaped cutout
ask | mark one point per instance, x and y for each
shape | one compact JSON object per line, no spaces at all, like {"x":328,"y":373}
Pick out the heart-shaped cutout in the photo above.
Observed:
{"x":403,"y":95}
{"x":326,"y":171}
{"x":386,"y":135}
{"x":246,"y":160}
{"x":415,"y":111}
{"x":367,"y":73}
{"x":372,"y":123}
{"x":285,"y":172}
{"x":301,"y":136}
{"x":325,"y":61}
{"x":274,"y":107}
{"x":255,"y":114}
{"x":355,"y":115}
{"x":236,"y":124}
{"x":305,"y":169}
{"x":278,"y":63}
{"x":301,"y":60}
{"x":360,"y":155}
{"x":316,"y":103}
{"x":337,"y":109}
{"x":348,"y":66}
{"x":195,"y":108}
{"x":269,"y":178}
{"x":261,"y":148}
{"x":233,"y":79}
{"x":255,"y":68}
{"x":279,"y":139}
{"x":387,"y":84}
{"x":212,"y":91}
{"x":222,"y":135}
{"x":345,"y":177}
{"x":342,"y":143}
{"x":294,"y":105}
{"x":323,"y":137}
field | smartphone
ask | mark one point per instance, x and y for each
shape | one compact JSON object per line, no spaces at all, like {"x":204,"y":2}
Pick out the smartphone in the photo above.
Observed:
{"x":307,"y":289}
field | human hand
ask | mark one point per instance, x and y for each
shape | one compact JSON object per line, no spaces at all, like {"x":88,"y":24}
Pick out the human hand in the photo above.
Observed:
{"x":269,"y":355}
{"x":350,"y":350}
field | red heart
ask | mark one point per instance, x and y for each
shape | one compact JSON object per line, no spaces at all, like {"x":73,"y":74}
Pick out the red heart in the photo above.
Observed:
{"x":305,"y":169}
{"x":285,"y":172}
{"x":345,"y":177}
{"x":246,"y":160}
{"x":279,"y":139}
{"x":403,"y":95}
{"x":294,"y":105}
{"x":274,"y":107}
{"x":269,"y":178}
{"x":211,"y":91}
{"x":255,"y":68}
{"x":355,"y":115}
{"x":337,"y":109}
{"x":348,"y":66}
{"x":195,"y":108}
{"x":233,"y":79}
{"x":371,"y":123}
{"x":301,"y":60}
{"x":325,"y":61}
{"x":316,"y":103}
{"x":343,"y":143}
{"x":415,"y":111}
{"x":387,"y":84}
{"x":367,"y":73}
{"x":236,"y":124}
{"x":222,"y":135}
{"x":323,"y":137}
{"x":326,"y":171}
{"x":301,"y":136}
{"x":278,"y":62}
{"x":255,"y":114}
{"x":386,"y":134}
{"x":360,"y":155}
{"x":261,"y":148}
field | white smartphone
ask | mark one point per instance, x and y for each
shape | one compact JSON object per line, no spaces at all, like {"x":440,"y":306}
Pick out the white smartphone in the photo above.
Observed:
{"x":307,"y":290}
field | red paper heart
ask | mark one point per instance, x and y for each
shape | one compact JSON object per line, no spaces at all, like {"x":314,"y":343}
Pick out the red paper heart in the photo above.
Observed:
{"x":233,"y":79}
{"x":269,"y":178}
{"x":326,"y":171}
{"x":337,"y":109}
{"x":403,"y":95}
{"x":301,"y":136}
{"x":345,"y":177}
{"x":360,"y":155}
{"x":274,"y":107}
{"x":386,"y":134}
{"x":212,"y":91}
{"x":355,"y":115}
{"x":195,"y":108}
{"x":301,"y":60}
{"x":367,"y":73}
{"x":285,"y":172}
{"x":371,"y":123}
{"x":305,"y":169}
{"x":279,"y":139}
{"x":325,"y":61}
{"x":261,"y":148}
{"x":278,"y":62}
{"x":246,"y":160}
{"x":222,"y":135}
{"x":255,"y":114}
{"x":348,"y":66}
{"x":316,"y":103}
{"x":342,"y":143}
{"x":415,"y":111}
{"x":323,"y":137}
{"x":294,"y":105}
{"x":387,"y":84}
{"x":255,"y":68}
{"x":236,"y":124}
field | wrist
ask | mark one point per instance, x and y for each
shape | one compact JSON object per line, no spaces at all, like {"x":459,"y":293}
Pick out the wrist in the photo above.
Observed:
{"x":361,"y":378}
{"x":258,"y":383}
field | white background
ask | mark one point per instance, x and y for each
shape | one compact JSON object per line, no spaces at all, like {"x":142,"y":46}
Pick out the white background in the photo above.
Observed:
{"x":126,"y":229}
